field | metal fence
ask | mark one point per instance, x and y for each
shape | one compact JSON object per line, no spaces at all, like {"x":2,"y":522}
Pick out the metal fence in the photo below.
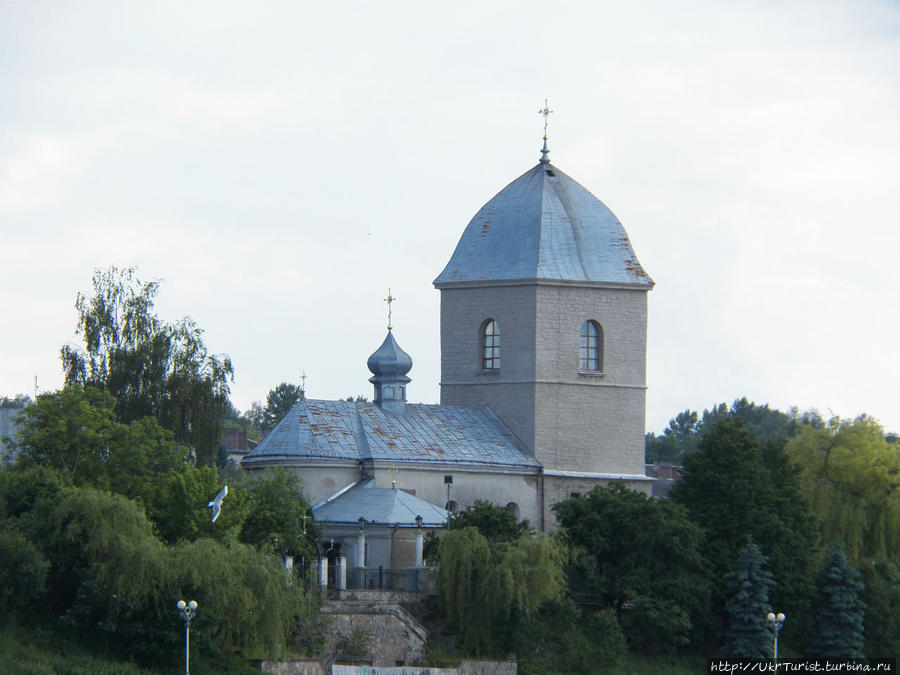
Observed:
{"x":383,"y":579}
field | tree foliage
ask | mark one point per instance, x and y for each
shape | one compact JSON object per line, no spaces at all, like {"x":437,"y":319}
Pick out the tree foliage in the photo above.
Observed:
{"x":640,"y":557}
{"x":838,"y":631}
{"x":152,"y":368}
{"x":484,"y":589}
{"x":279,"y":402}
{"x":112,"y":583}
{"x":559,"y":638}
{"x":496,"y":523}
{"x":17,"y":401}
{"x":683,"y":434}
{"x":882,"y":598}
{"x":735,"y":487}
{"x":748,"y":587}
{"x":851,"y":478}
{"x":23,"y":573}
{"x":74,"y":431}
{"x":279,"y":515}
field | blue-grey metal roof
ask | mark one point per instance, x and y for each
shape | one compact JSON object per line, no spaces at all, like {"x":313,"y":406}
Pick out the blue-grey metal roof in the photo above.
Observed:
{"x":389,"y":363}
{"x":379,"y":506}
{"x":544,"y":225}
{"x":353,"y":431}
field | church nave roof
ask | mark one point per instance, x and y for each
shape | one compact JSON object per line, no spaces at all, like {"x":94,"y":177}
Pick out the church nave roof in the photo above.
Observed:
{"x":353,"y":431}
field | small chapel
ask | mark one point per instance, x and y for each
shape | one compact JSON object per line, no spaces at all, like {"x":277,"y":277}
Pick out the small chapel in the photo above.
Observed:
{"x":543,"y":327}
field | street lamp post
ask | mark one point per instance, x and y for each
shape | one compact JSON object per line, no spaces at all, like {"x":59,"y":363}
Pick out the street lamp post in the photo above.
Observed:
{"x":187,"y":610}
{"x":775,"y":623}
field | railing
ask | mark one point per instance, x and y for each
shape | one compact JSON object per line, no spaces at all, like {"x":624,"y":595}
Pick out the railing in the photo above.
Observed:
{"x":383,"y":579}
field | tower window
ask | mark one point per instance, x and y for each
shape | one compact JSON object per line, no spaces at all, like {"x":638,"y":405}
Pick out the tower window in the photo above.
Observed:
{"x":490,"y":345}
{"x":590,"y":356}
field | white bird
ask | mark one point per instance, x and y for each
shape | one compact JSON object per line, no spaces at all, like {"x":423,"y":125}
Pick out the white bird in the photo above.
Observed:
{"x":216,"y":503}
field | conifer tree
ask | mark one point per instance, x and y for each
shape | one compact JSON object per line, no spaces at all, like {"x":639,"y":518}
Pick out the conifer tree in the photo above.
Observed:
{"x":748,"y":588}
{"x":838,"y":630}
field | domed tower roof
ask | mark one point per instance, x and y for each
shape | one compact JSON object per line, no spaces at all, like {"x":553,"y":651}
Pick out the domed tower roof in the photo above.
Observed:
{"x":389,"y":363}
{"x":389,"y":366}
{"x":544,"y":226}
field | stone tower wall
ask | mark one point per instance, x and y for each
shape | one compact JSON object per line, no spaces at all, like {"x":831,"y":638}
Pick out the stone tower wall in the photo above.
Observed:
{"x":592,"y":422}
{"x":569,"y":420}
{"x":509,"y":393}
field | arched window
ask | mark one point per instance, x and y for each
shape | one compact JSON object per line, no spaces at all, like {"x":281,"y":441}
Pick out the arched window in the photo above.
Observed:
{"x":490,"y":345}
{"x":513,"y":508}
{"x":590,"y":356}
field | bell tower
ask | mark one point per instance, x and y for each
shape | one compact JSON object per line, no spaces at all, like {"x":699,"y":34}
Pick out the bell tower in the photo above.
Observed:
{"x":544,"y":321}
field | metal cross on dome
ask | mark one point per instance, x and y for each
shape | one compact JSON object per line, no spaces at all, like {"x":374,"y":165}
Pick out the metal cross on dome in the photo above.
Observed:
{"x":545,"y":111}
{"x":389,"y":299}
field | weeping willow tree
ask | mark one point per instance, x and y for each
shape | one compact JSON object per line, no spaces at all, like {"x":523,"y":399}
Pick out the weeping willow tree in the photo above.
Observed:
{"x":851,"y":478}
{"x":482,"y":587}
{"x":105,"y":578}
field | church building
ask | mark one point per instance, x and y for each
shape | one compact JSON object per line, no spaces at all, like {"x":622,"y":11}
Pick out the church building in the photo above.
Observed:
{"x":543,"y":384}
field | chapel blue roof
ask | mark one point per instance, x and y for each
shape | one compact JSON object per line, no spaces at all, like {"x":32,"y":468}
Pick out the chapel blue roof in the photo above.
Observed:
{"x":354,"y":431}
{"x":544,"y":226}
{"x":379,"y":506}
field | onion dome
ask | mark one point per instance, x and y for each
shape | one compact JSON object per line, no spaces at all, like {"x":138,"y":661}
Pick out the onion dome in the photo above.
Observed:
{"x":389,"y":361}
{"x":389,"y":366}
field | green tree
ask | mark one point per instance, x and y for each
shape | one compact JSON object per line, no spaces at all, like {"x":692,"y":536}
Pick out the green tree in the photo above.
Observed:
{"x":882,"y":598}
{"x":838,"y":630}
{"x":278,"y":515}
{"x":17,"y":401}
{"x":483,"y":589}
{"x":748,"y":587}
{"x":279,"y":402}
{"x":23,"y":573}
{"x":735,"y":487}
{"x":22,"y":489}
{"x":559,"y":638}
{"x":678,"y":439}
{"x":497,"y":523}
{"x":640,"y":557}
{"x":74,"y":431}
{"x":850,"y":475}
{"x":113,"y":584}
{"x":152,"y":368}
{"x":177,"y":505}
{"x":682,"y":436}
{"x":465,"y":556}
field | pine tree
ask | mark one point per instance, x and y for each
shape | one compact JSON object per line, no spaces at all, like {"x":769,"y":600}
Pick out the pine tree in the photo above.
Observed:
{"x":838,"y":630}
{"x":748,"y":588}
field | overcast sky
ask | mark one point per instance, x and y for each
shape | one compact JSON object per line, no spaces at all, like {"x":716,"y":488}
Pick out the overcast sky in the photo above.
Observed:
{"x":279,"y":165}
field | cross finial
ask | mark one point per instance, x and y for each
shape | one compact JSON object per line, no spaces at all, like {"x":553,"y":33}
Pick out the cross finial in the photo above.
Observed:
{"x":389,"y":299}
{"x":545,"y":111}
{"x":303,"y":383}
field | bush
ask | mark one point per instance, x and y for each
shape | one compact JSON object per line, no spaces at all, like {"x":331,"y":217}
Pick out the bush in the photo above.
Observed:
{"x":23,"y":573}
